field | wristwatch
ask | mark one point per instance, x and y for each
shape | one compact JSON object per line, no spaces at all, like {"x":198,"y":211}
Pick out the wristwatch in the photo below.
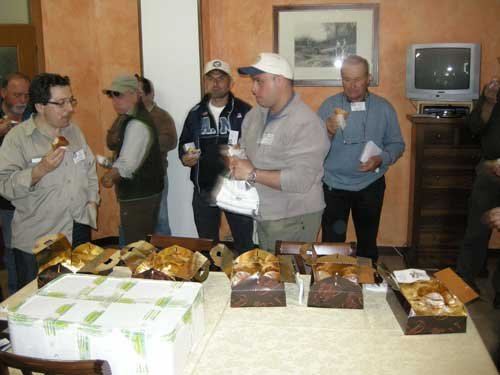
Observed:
{"x":252,"y":177}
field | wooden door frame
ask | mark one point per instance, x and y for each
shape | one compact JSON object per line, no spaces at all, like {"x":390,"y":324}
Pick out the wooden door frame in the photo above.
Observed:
{"x":37,"y":22}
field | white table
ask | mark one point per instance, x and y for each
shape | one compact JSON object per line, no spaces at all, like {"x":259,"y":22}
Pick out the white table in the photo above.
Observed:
{"x":301,"y":340}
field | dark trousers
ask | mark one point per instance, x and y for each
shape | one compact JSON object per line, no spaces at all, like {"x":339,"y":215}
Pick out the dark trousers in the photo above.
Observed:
{"x":26,"y":264}
{"x":207,"y":220}
{"x":81,"y":234}
{"x":485,"y":195}
{"x":26,"y":267}
{"x":138,"y":218}
{"x":366,"y":206}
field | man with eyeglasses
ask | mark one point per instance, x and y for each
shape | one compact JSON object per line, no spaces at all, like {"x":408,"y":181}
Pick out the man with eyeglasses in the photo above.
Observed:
{"x":137,"y":171}
{"x":285,"y":143}
{"x":353,"y":118}
{"x":208,"y":126}
{"x":14,"y":109}
{"x":52,"y":190}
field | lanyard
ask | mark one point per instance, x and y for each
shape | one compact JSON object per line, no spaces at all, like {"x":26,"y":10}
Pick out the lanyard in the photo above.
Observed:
{"x":345,"y":103}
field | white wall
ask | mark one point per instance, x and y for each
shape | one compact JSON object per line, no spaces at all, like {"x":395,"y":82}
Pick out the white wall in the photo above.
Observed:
{"x":170,"y":48}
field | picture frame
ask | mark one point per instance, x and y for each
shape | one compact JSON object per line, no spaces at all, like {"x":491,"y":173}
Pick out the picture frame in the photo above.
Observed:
{"x":316,"y":38}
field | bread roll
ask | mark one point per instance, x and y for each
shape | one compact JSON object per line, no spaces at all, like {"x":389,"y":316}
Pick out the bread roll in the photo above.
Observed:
{"x":59,"y":141}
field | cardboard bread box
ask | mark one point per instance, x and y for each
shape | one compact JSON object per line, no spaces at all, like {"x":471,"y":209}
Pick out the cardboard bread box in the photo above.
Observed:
{"x":336,"y":279}
{"x":138,"y":326}
{"x":171,"y":263}
{"x":430,"y":307}
{"x":257,"y":276}
{"x":55,"y":256}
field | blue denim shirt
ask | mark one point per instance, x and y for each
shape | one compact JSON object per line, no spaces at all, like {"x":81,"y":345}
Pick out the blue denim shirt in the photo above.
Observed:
{"x":377,"y":123}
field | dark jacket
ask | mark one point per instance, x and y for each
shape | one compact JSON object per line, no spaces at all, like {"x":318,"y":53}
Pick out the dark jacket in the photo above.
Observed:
{"x":4,"y":203}
{"x":201,"y":129}
{"x":147,"y":180}
{"x":489,"y":132}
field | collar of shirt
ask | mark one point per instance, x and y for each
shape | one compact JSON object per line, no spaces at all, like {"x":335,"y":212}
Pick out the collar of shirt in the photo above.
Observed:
{"x":30,"y":125}
{"x":150,"y":107}
{"x":270,"y":117}
{"x":366,"y":98}
{"x":43,"y":128}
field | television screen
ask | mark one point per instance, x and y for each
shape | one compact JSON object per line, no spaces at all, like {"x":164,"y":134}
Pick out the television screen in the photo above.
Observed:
{"x":442,"y":68}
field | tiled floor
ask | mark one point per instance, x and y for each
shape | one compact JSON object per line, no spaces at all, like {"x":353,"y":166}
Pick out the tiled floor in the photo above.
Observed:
{"x":486,"y":319}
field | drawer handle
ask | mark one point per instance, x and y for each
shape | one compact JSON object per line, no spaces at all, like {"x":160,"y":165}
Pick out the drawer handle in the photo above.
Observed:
{"x":438,"y":136}
{"x":437,"y":178}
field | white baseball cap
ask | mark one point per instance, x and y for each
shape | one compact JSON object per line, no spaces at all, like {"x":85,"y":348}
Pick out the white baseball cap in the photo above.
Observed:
{"x":217,"y":64}
{"x":269,"y":63}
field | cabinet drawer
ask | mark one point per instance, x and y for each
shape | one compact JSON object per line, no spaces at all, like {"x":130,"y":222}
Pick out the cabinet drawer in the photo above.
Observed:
{"x":454,"y":222}
{"x":439,"y":239}
{"x":449,"y":135}
{"x":435,"y":257}
{"x":458,"y":179}
{"x":439,"y":135}
{"x":444,"y":199}
{"x":454,"y":158}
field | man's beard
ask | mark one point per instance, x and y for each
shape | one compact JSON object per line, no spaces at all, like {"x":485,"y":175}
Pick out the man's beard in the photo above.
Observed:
{"x":218,"y":95}
{"x":18,"y":109}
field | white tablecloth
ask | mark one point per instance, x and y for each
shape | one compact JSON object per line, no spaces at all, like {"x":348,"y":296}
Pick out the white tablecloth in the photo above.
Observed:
{"x":302,"y":340}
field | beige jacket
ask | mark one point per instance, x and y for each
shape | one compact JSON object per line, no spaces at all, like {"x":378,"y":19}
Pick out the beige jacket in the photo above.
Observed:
{"x":60,"y":197}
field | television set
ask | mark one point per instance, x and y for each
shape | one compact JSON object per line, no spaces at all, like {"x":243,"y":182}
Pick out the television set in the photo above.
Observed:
{"x":443,"y":72}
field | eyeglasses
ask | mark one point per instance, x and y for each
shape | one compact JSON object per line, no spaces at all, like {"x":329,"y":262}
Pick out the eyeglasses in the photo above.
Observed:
{"x":113,"y":94}
{"x":72,"y":101}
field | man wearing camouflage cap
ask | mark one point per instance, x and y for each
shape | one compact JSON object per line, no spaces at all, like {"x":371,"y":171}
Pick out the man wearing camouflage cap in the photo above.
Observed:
{"x":136,"y":172}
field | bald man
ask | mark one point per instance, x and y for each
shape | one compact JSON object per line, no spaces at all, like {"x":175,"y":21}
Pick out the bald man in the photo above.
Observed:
{"x":351,"y":185}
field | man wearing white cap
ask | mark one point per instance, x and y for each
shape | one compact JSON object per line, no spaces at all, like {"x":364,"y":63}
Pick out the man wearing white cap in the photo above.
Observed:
{"x":208,"y":126}
{"x":285,"y":143}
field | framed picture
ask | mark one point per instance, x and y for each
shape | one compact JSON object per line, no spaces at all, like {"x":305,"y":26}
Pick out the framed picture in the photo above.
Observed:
{"x":316,"y":38}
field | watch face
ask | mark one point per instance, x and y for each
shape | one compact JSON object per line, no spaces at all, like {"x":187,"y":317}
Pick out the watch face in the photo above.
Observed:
{"x":252,"y":177}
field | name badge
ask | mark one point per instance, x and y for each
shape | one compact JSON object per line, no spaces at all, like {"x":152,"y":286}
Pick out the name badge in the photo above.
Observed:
{"x":267,"y":139}
{"x":78,"y":156}
{"x":358,"y":106}
{"x":233,"y":137}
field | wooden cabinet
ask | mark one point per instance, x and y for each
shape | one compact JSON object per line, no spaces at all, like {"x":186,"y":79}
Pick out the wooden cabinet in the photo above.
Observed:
{"x":443,"y":160}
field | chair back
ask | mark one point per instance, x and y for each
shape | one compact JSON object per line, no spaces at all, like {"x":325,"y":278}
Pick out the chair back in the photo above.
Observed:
{"x":203,"y":245}
{"x":29,"y":365}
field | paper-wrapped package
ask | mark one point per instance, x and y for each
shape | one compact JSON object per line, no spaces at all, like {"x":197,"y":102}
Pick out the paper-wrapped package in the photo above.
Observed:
{"x":55,"y":257}
{"x":432,"y":306}
{"x":336,"y":279}
{"x":257,"y":276}
{"x":172,"y":263}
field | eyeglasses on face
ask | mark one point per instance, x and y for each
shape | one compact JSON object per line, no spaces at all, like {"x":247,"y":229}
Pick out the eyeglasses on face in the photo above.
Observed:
{"x":114,"y":94}
{"x":62,"y":103}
